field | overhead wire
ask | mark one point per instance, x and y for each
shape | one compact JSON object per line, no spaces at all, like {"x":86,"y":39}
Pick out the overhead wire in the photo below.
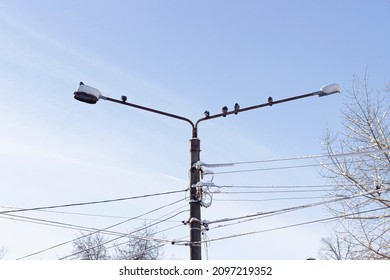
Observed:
{"x":157,"y":232}
{"x":73,"y":213}
{"x":43,"y":222}
{"x":95,"y":231}
{"x":129,"y":235}
{"x":296,"y":225}
{"x":277,"y":186}
{"x":270,"y":192}
{"x":295,"y":208}
{"x":305,"y":157}
{"x":321,"y":164}
{"x":85,"y":235}
{"x":268,"y":169}
{"x":273,"y":189}
{"x":165,"y":193}
{"x":92,"y":202}
{"x":269,"y":199}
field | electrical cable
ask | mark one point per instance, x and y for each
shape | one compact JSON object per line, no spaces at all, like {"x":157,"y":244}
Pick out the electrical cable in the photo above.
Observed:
{"x":92,"y":202}
{"x":278,"y":186}
{"x":43,"y":222}
{"x":130,"y":235}
{"x":94,"y":231}
{"x":301,"y":158}
{"x":160,"y":231}
{"x":269,"y":199}
{"x":270,"y":192}
{"x":295,"y":208}
{"x":265,"y":216}
{"x":268,"y":169}
{"x":289,"y":159}
{"x":100,"y":230}
{"x":296,"y":225}
{"x":73,"y":213}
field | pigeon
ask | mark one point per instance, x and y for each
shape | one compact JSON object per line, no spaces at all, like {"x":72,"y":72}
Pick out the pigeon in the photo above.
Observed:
{"x":124,"y":98}
{"x":224,"y":111}
{"x":378,"y":187}
{"x":236,"y":108}
{"x":270,"y":101}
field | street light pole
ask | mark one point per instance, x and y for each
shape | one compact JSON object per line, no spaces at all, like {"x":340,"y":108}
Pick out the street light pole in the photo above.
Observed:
{"x":195,"y":221}
{"x":91,"y":95}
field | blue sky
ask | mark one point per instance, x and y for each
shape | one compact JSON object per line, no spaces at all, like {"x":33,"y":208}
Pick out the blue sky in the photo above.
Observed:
{"x":183,"y":57}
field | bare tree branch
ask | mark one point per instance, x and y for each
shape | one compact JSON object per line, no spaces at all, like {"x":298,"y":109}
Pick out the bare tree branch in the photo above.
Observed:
{"x":366,"y":128}
{"x":2,"y":252}
{"x":144,"y":246}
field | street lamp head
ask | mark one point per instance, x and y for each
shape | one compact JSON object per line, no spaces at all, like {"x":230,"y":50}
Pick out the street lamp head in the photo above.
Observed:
{"x":329,"y":89}
{"x":87,"y":94}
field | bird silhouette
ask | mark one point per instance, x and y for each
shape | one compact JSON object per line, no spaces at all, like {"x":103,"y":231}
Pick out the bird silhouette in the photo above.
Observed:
{"x":378,"y":187}
{"x":224,"y":111}
{"x":236,"y":108}
{"x":270,"y":101}
{"x":206,"y":114}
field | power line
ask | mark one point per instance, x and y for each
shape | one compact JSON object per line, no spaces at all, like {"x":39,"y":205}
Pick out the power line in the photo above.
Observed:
{"x":94,"y":231}
{"x":75,"y":213}
{"x":44,"y":222}
{"x":277,"y":186}
{"x":306,"y":157}
{"x":270,"y":192}
{"x":296,"y":225}
{"x":294,"y":208}
{"x":321,"y":164}
{"x":289,"y":159}
{"x":263,"y":161}
{"x":269,"y":199}
{"x":268,"y":169}
{"x":130,"y":235}
{"x":92,"y":202}
{"x":160,"y":231}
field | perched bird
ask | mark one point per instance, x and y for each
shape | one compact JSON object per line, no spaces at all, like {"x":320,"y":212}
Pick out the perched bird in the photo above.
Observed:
{"x":81,"y":83}
{"x":124,"y":98}
{"x":206,"y":114}
{"x":378,"y":187}
{"x":236,"y":108}
{"x":270,"y":101}
{"x":224,"y":111}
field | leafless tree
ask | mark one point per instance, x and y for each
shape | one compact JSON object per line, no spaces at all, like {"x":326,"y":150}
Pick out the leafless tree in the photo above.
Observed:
{"x":141,"y":244}
{"x":338,"y":247}
{"x":144,"y":248}
{"x":362,"y":174}
{"x":90,"y":247}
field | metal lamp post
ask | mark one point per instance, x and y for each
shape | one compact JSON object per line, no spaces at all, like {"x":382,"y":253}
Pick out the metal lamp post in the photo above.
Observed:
{"x":91,"y":95}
